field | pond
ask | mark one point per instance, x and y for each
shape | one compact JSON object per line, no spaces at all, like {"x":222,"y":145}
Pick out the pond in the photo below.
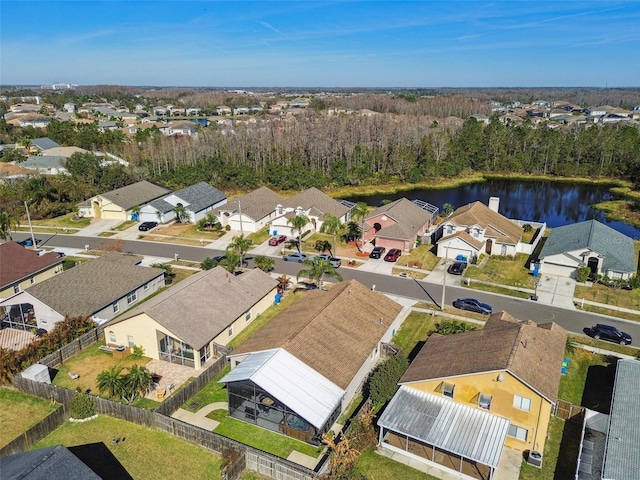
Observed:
{"x":556,"y":203}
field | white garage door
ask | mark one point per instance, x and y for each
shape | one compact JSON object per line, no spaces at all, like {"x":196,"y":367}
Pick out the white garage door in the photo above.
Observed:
{"x":560,"y":270}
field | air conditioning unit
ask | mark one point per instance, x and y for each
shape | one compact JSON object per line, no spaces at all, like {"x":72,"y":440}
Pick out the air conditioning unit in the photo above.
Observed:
{"x":534,"y":458}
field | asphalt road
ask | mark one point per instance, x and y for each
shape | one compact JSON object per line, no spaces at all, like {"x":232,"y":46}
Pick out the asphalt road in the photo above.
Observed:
{"x":573,"y":320}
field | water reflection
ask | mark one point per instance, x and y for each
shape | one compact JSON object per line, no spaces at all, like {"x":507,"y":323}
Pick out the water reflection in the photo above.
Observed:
{"x":556,"y":203}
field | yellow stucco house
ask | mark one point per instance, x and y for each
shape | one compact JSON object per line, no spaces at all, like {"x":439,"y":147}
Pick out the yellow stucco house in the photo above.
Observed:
{"x":467,"y":396}
{"x":193,"y":321}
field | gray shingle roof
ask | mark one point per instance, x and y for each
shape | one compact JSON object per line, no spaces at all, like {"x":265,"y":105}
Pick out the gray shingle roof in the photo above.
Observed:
{"x":46,"y":161}
{"x":200,"y":196}
{"x":616,"y":248}
{"x":135,"y":194}
{"x":221,"y":299}
{"x":92,"y":285}
{"x":161,"y":205}
{"x":312,"y":197}
{"x":44,"y":143}
{"x":50,"y":463}
{"x":256,"y":204}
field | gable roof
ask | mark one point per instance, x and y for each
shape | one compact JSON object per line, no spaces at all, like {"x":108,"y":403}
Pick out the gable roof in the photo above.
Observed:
{"x":290,"y":381}
{"x":495,"y":224}
{"x":135,"y":194}
{"x":63,"y":151}
{"x":44,"y":161}
{"x":200,"y":196}
{"x":331,"y":331}
{"x":44,"y":143}
{"x":17,"y":262}
{"x":409,"y":217}
{"x":89,"y":287}
{"x":616,"y":248}
{"x":532,"y":353}
{"x":221,"y":299}
{"x":312,"y":197}
{"x":49,"y":463}
{"x":256,"y":204}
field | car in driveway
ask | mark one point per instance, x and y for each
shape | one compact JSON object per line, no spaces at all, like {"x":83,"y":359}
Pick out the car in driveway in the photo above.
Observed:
{"x":304,"y":286}
{"x":295,"y":257}
{"x":334,"y":261}
{"x":457,"y":268}
{"x":277,"y":240}
{"x":473,"y":305}
{"x":392,"y":255}
{"x":146,"y":226}
{"x":601,"y":331}
{"x":377,"y":252}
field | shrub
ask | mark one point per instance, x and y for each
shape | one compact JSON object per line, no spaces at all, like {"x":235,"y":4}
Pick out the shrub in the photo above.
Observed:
{"x":527,"y":228}
{"x":583,"y":274}
{"x":82,"y":406}
{"x":138,"y":351}
{"x":227,"y":228}
{"x":383,"y":382}
{"x":208,"y":263}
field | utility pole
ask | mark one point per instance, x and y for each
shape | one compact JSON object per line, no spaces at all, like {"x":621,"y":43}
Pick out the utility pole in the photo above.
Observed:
{"x":33,"y":239}
{"x":444,"y":276}
{"x":240,"y":212}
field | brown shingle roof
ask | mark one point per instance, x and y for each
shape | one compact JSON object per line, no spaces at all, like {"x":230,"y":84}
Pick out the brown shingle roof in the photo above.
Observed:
{"x":135,"y":194}
{"x":312,"y":197}
{"x":198,"y":308}
{"x":17,"y":263}
{"x":331,"y":331}
{"x":532,"y":353}
{"x":256,"y":204}
{"x":495,"y":225}
{"x":92,"y":285}
{"x":409,"y":217}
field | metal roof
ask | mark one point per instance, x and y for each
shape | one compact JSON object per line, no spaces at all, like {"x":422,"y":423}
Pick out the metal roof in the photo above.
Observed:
{"x":291,"y":382}
{"x":469,"y":432}
{"x":622,"y":455}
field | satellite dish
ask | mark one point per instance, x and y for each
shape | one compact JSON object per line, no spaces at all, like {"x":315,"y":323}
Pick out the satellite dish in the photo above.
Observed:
{"x":501,"y":377}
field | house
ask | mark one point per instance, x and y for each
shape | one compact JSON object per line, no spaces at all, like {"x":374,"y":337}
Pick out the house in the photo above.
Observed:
{"x":100,"y":288}
{"x":467,"y":396}
{"x":22,"y":267}
{"x":298,"y":373}
{"x":183,"y":127}
{"x":312,"y":203}
{"x":198,"y":200}
{"x":475,"y":228}
{"x":224,"y":110}
{"x":43,"y":143}
{"x":63,"y":151}
{"x":35,"y":122}
{"x":251,"y":212}
{"x":46,"y":164}
{"x":118,"y":204}
{"x":399,"y":224}
{"x":590,"y":244}
{"x":177,"y":328}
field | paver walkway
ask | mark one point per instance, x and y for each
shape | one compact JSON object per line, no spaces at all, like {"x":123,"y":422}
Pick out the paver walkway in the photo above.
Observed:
{"x":199,"y":418}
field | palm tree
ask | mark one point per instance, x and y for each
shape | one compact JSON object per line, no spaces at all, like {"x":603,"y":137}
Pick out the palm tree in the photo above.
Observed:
{"x":181,"y":213}
{"x":111,"y":381}
{"x":318,"y":268}
{"x":7,"y":224}
{"x":331,"y":226}
{"x":136,"y":382}
{"x":298,"y":223}
{"x":231,"y":261}
{"x":241,"y":245}
{"x":360,"y":212}
{"x":353,"y":231}
{"x":264,"y":263}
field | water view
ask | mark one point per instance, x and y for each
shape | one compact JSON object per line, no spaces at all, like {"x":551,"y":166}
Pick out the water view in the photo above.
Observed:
{"x":556,"y":203}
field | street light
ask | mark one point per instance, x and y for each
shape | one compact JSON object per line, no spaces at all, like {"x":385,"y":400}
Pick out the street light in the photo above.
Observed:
{"x":444,"y":276}
{"x":33,"y":239}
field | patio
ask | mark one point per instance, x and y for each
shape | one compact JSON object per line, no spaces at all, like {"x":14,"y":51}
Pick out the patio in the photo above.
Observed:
{"x":167,"y":378}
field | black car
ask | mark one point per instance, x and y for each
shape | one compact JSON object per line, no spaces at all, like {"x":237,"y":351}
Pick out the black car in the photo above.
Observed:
{"x":457,"y":268}
{"x":611,"y":333}
{"x":146,"y":226}
{"x":473,"y":305}
{"x":377,"y":252}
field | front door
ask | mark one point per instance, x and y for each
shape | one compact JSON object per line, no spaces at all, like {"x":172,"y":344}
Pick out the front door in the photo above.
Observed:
{"x":489,"y":246}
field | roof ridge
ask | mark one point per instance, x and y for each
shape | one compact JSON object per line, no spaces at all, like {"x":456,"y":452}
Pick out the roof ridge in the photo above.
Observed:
{"x":516,"y":343}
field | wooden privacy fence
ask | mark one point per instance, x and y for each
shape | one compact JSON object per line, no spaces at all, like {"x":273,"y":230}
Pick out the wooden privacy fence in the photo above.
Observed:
{"x":36,"y":433}
{"x":72,"y":348}
{"x":568,"y":411}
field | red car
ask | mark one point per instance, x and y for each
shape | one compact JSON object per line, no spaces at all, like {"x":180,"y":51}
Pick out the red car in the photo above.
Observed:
{"x":392,"y":255}
{"x":277,"y":240}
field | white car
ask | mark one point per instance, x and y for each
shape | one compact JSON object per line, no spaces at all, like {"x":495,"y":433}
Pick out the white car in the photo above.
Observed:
{"x":335,"y":262}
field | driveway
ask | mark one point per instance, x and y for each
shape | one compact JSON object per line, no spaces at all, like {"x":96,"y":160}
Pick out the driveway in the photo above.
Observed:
{"x":556,"y":290}
{"x":97,"y":226}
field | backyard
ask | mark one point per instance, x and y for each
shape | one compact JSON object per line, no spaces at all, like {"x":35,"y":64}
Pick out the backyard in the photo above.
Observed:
{"x":20,"y":412}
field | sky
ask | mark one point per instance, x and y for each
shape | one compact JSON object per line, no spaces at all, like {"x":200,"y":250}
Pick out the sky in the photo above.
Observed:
{"x":412,"y":44}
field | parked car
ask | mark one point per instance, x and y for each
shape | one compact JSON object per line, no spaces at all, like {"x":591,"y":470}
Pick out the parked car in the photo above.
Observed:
{"x":277,"y":240}
{"x":392,"y":255}
{"x":457,"y":268}
{"x":611,"y":333}
{"x":473,"y":305}
{"x":146,"y":226}
{"x":377,"y":252}
{"x":304,"y":286}
{"x":295,"y":257}
{"x":334,"y":261}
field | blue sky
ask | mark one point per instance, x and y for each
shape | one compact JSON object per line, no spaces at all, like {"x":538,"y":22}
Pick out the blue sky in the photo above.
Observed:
{"x":322,"y":44}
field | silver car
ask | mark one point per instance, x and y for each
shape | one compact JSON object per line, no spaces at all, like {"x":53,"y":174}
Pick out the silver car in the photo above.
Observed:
{"x":295,"y":257}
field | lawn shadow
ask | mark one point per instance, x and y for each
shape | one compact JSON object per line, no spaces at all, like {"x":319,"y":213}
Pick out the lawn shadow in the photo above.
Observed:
{"x":100,"y":459}
{"x":569,"y":450}
{"x":415,"y":350}
{"x":598,"y":387}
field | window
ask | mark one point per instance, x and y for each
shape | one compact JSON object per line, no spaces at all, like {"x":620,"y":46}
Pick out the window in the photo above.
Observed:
{"x":230,"y":331}
{"x":449,"y":229}
{"x":503,"y":250}
{"x":146,"y":286}
{"x":132,"y":297}
{"x":116,"y":307}
{"x":112,"y":336}
{"x":32,"y":280}
{"x":447,"y":389}
{"x":518,"y":432}
{"x":247,"y":315}
{"x":484,"y":401}
{"x":16,"y":288}
{"x":130,"y":341}
{"x":522,"y":403}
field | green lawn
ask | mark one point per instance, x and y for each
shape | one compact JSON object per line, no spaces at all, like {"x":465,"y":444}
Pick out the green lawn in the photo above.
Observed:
{"x":20,"y":412}
{"x":572,"y":384}
{"x":510,"y":272}
{"x":263,"y":439}
{"x":497,"y":289}
{"x":213,"y":392}
{"x":372,"y":466}
{"x":611,"y":296}
{"x":146,"y":453}
{"x":424,"y":254}
{"x":63,"y":221}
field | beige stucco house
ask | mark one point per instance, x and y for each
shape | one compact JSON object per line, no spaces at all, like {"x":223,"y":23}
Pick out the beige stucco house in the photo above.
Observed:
{"x":251,"y":212}
{"x":118,"y":204}
{"x":192,"y":322}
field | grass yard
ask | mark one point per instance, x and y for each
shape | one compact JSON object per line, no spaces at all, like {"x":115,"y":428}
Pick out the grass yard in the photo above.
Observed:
{"x":124,"y":225}
{"x":372,"y":466}
{"x":146,"y":453}
{"x":424,"y":254}
{"x":613,"y":347}
{"x":187,"y":230}
{"x":260,"y":236}
{"x":213,"y":392}
{"x":496,"y":289}
{"x":616,"y":297}
{"x":69,"y":221}
{"x":263,"y":439}
{"x":20,"y":412}
{"x":510,"y":272}
{"x":88,"y":364}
